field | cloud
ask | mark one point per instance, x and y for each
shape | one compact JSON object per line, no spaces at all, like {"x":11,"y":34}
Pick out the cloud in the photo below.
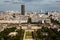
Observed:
{"x":32,"y":4}
{"x":35,"y":2}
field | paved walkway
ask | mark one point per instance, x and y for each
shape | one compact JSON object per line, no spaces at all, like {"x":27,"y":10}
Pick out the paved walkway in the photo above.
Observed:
{"x":24,"y":35}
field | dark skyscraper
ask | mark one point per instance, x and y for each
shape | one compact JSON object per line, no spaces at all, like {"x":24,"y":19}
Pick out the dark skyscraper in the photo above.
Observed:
{"x":22,"y":9}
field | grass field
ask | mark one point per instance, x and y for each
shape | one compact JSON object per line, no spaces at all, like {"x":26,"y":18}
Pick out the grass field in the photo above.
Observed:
{"x":28,"y":35}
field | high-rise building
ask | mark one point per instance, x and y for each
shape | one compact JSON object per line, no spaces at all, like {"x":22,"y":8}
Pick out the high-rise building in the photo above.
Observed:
{"x":22,"y":9}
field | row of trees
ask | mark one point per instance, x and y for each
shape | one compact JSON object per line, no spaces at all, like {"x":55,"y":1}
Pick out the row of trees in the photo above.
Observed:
{"x":55,"y":21}
{"x":4,"y":34}
{"x":52,"y":34}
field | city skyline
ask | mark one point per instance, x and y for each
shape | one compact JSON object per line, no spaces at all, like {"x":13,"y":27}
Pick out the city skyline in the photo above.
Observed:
{"x":29,"y":20}
{"x":31,"y":5}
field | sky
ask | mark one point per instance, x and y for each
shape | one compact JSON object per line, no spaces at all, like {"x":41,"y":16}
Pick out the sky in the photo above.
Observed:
{"x":30,"y":5}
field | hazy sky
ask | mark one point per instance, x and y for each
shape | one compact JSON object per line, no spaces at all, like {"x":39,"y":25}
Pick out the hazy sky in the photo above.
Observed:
{"x":31,"y":5}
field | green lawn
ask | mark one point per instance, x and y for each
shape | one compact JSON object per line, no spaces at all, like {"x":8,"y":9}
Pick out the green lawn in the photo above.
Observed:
{"x":28,"y":35}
